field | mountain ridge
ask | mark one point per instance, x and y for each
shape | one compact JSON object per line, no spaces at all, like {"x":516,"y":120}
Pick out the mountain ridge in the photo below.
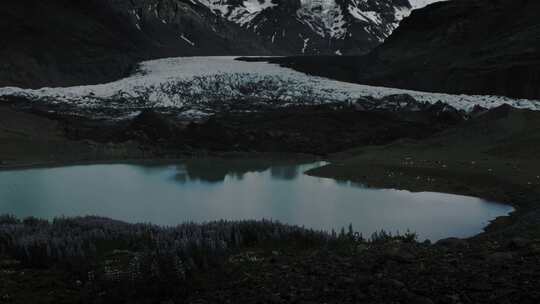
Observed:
{"x":476,"y":47}
{"x":316,"y":26}
{"x":74,"y":42}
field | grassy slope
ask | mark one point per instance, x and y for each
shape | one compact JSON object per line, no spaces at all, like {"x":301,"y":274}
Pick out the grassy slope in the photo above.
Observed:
{"x":494,"y":156}
{"x":30,"y":139}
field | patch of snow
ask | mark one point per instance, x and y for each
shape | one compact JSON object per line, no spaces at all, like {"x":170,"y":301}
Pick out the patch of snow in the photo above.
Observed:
{"x":400,"y":14}
{"x":383,"y":25}
{"x":367,"y":16}
{"x":187,"y":40}
{"x":136,"y":15}
{"x":242,"y":14}
{"x":416,"y":4}
{"x":404,"y":12}
{"x":324,"y":17}
{"x":306,"y":41}
{"x":216,"y":5}
{"x":254,"y":6}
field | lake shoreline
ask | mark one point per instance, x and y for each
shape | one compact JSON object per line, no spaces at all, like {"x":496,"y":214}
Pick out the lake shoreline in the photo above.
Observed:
{"x":81,"y":151}
{"x":159,"y":161}
{"x":520,"y":206}
{"x":213,"y":189}
{"x":464,"y":159}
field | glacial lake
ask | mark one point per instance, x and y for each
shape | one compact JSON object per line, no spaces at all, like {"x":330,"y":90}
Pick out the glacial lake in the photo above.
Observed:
{"x":206,"y":190}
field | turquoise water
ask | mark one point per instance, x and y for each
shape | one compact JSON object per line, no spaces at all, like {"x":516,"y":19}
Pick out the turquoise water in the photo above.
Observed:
{"x":208,"y":190}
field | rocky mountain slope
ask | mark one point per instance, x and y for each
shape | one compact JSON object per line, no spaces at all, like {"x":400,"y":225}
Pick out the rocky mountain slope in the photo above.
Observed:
{"x":67,"y":42}
{"x":480,"y":46}
{"x":459,"y":46}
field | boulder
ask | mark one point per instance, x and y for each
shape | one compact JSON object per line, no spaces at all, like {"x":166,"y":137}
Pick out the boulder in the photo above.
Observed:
{"x":518,"y":243}
{"x":154,"y":125}
{"x":500,"y":257}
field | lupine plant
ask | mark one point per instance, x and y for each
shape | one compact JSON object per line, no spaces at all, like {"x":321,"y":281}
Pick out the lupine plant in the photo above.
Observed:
{"x":118,"y":250}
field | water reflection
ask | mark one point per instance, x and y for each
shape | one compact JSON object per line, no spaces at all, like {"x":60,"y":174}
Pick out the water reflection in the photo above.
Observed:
{"x":284,"y":172}
{"x":205,"y":190}
{"x":217,"y":170}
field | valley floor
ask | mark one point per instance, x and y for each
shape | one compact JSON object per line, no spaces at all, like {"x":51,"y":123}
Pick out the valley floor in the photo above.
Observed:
{"x":493,"y":155}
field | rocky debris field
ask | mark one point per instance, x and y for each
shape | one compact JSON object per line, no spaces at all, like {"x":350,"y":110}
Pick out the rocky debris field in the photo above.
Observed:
{"x":308,"y":129}
{"x":392,"y":271}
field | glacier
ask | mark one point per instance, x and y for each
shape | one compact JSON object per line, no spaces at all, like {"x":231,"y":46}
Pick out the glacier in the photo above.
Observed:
{"x":200,"y":84}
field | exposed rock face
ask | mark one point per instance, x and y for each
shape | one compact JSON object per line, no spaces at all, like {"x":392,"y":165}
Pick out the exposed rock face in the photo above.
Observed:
{"x":187,"y":28}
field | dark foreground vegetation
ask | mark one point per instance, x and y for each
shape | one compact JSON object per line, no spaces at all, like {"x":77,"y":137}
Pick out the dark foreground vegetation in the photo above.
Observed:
{"x":98,"y":260}
{"x":110,"y":261}
{"x":115,"y":261}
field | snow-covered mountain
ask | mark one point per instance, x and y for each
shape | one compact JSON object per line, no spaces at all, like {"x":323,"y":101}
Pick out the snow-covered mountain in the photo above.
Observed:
{"x":284,"y":27}
{"x":316,"y":26}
